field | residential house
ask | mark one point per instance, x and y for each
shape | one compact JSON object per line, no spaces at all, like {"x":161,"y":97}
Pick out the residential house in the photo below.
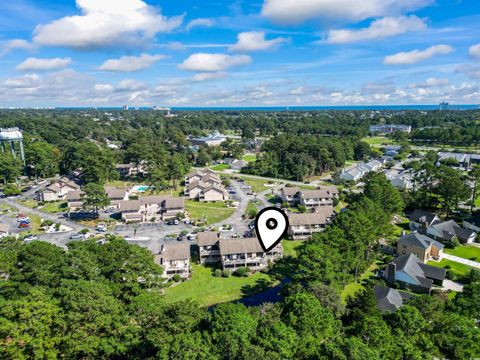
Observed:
{"x":58,"y":190}
{"x":302,"y":226}
{"x":128,"y":171}
{"x":410,"y":272}
{"x":208,"y":245}
{"x":4,"y":230}
{"x":205,"y":185}
{"x":175,"y":259}
{"x":290,"y":195}
{"x":420,"y":245}
{"x":356,"y":172}
{"x":322,"y":196}
{"x":420,"y":220}
{"x":462,"y":159}
{"x":390,"y":300}
{"x":238,"y":165}
{"x":151,"y":208}
{"x":116,"y":195}
{"x":75,"y":200}
{"x":472,"y":223}
{"x":247,"y":252}
{"x":446,"y":230}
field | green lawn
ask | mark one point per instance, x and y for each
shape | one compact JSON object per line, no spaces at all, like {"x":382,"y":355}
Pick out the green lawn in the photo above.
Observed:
{"x":208,"y":289}
{"x":377,"y":141}
{"x":249,"y":158}
{"x":250,"y":209}
{"x":354,"y":287}
{"x":214,"y":212}
{"x":29,"y":203}
{"x":54,"y":207}
{"x":220,"y":167}
{"x":290,"y":247}
{"x":457,"y":268}
{"x":466,"y":252}
{"x":257,"y":185}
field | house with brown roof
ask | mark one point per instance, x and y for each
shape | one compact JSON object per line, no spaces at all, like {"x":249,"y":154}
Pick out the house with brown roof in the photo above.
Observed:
{"x":175,"y":259}
{"x":303,"y":226}
{"x":116,"y":195}
{"x":151,"y":208}
{"x":208,"y":246}
{"x":322,"y":196}
{"x":247,"y":252}
{"x":75,"y":200}
{"x":57,"y":190}
{"x":205,"y":185}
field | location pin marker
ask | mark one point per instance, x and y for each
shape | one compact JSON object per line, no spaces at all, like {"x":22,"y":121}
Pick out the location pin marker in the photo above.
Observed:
{"x":271,"y":225}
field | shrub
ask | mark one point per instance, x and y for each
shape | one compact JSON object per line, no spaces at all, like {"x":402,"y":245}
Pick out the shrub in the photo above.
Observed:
{"x":177,"y":278}
{"x":226,"y":273}
{"x":83,"y":231}
{"x":453,"y":243}
{"x":302,"y":208}
{"x":451,"y":275}
{"x":218,"y":272}
{"x":57,"y":227}
{"x":241,"y":272}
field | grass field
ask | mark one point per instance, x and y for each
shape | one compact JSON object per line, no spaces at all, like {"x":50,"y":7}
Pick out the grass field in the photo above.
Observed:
{"x":378,"y":141}
{"x":257,"y":185}
{"x":249,"y":158}
{"x":208,"y":289}
{"x":457,"y":268}
{"x":466,"y":252}
{"x":214,"y":212}
{"x":250,"y":209}
{"x":54,"y":207}
{"x":220,"y":167}
{"x":29,"y":203}
{"x":354,"y":287}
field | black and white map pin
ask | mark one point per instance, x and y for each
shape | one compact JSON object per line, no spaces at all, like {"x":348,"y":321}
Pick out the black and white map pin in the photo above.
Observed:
{"x":271,"y":226}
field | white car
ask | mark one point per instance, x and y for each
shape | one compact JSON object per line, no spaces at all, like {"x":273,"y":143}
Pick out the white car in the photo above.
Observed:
{"x":30,"y":238}
{"x":101,"y":228}
{"x":78,"y":237}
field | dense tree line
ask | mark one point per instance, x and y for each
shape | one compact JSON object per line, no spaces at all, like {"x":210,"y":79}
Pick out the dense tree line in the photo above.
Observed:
{"x":296,"y":157}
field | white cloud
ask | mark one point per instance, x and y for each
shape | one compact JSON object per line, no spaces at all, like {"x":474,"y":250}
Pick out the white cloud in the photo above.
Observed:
{"x":474,"y":51}
{"x":16,"y":44}
{"x":255,"y":41}
{"x":297,"y":11}
{"x":203,"y":62}
{"x":200,"y":23}
{"x":430,"y":82}
{"x":416,"y":56}
{"x":131,"y":63}
{"x":471,"y":71}
{"x":130,"y":85}
{"x":36,"y":64}
{"x":206,"y":76}
{"x":378,"y":29}
{"x":106,"y":23}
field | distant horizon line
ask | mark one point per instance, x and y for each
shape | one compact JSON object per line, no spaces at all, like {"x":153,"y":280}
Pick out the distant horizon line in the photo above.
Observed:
{"x":253,"y":107}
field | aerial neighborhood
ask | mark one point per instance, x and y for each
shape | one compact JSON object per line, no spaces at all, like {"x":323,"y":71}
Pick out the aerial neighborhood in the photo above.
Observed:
{"x":384,"y":215}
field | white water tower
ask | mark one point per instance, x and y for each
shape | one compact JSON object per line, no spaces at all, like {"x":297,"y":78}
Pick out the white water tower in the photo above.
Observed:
{"x":12,"y":140}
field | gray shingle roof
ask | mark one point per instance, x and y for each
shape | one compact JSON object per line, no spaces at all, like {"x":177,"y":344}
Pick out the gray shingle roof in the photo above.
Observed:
{"x":176,"y":251}
{"x":290,"y":191}
{"x":239,"y":246}
{"x":419,"y":240}
{"x":317,"y":218}
{"x":450,"y":228}
{"x":417,"y":270}
{"x":422,"y":216}
{"x":390,"y":300}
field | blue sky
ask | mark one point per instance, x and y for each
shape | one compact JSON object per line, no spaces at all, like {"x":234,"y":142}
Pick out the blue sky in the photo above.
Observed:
{"x":239,"y":53}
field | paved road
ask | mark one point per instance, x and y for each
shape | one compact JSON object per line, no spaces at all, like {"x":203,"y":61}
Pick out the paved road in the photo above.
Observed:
{"x":461,"y":260}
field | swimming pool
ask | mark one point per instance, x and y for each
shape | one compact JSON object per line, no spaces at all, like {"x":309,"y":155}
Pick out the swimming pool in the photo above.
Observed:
{"x":141,"y":188}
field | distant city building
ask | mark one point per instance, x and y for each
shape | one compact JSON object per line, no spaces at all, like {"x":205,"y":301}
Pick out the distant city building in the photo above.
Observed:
{"x":443,"y":106}
{"x":11,"y":140}
{"x":390,"y":128}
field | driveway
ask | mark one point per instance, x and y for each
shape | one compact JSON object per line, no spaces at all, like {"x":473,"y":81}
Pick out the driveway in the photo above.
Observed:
{"x":460,"y":260}
{"x":452,"y":285}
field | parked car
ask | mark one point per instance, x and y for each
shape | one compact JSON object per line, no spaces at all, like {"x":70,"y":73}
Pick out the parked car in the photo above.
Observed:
{"x":186,"y":222}
{"x":176,"y":222}
{"x":30,"y":238}
{"x":78,"y":237}
{"x":101,"y":228}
